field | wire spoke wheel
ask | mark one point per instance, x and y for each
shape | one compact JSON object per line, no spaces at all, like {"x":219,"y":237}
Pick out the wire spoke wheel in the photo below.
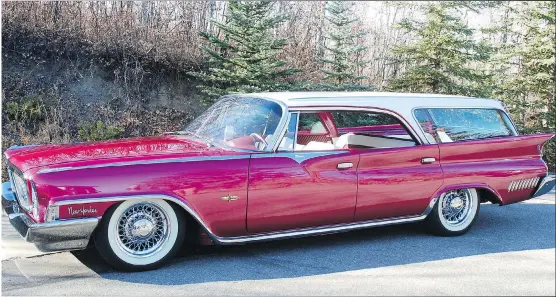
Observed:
{"x":140,"y":234}
{"x":454,"y":213}
{"x":456,"y":206}
{"x":142,"y":229}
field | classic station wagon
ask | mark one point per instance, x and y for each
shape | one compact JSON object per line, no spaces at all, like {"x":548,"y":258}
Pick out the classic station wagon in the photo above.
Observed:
{"x":267,"y":166}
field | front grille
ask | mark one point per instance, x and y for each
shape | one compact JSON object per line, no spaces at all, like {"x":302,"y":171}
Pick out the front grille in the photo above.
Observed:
{"x":523,"y":184}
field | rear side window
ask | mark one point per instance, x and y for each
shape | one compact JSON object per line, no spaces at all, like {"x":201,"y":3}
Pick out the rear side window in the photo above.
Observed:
{"x":348,"y":119}
{"x":457,"y":124}
{"x":311,"y":122}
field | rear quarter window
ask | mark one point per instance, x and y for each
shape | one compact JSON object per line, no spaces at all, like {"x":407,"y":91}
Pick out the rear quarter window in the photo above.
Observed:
{"x":460,"y":124}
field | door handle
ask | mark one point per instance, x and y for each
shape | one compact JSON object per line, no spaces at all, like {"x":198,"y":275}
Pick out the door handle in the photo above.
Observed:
{"x":345,"y":165}
{"x":428,"y":160}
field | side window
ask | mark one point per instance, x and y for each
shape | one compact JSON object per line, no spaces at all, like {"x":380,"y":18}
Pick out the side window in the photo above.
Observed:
{"x":310,"y":122}
{"x":343,"y":130}
{"x":347,"y":119}
{"x":312,"y":129}
{"x":457,"y":124}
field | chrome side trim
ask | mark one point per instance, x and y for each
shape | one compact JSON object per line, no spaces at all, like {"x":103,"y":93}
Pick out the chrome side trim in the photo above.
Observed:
{"x":300,"y":156}
{"x":266,"y":236}
{"x":324,"y":229}
{"x":148,"y":162}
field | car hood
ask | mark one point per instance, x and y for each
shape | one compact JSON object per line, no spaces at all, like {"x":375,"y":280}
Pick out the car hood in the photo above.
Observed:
{"x":130,"y":149}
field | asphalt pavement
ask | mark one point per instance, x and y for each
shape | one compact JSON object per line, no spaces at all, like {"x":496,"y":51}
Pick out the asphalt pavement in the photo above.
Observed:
{"x":509,"y":251}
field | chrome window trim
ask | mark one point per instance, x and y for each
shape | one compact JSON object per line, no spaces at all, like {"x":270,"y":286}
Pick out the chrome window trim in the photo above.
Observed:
{"x":147,"y":162}
{"x":295,"y":132}
{"x":264,"y":236}
{"x":284,"y":133}
{"x":407,"y":125}
{"x":513,"y":128}
{"x":280,"y":136}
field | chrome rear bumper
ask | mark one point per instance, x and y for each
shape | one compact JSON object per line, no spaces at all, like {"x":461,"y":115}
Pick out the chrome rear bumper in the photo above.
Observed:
{"x":48,"y":237}
{"x":547,"y":183}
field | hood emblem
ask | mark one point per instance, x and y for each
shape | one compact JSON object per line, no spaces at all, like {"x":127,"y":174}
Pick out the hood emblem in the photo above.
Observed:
{"x":229,"y":198}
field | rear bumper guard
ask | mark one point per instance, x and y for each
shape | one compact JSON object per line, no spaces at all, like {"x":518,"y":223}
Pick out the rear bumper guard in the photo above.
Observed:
{"x":546,"y":184}
{"x":54,"y":236}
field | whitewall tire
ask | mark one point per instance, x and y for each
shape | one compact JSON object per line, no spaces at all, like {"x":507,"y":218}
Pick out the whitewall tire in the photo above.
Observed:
{"x":454,"y":212}
{"x":140,"y":234}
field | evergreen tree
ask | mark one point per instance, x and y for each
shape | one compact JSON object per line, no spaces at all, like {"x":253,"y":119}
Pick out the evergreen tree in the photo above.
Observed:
{"x":441,"y":58}
{"x":526,"y":70}
{"x":342,"y":60}
{"x":244,"y":59}
{"x":532,"y":85}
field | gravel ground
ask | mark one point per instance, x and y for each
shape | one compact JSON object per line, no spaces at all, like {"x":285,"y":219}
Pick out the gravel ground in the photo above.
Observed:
{"x":509,"y":251}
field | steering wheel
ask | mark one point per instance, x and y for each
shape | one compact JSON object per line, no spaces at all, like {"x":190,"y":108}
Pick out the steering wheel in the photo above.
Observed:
{"x":259,"y":138}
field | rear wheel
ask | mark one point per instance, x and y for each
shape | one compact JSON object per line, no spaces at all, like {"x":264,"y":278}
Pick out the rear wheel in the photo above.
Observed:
{"x":454,"y":213}
{"x":139,"y":235}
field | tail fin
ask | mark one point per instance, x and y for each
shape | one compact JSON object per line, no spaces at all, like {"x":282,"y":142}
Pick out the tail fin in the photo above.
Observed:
{"x":540,"y":139}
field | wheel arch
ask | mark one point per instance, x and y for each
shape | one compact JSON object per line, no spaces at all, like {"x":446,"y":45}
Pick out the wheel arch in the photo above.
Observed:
{"x":485,"y":192}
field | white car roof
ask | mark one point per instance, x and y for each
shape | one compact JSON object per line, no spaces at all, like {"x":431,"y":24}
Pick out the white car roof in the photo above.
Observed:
{"x":392,"y":101}
{"x":400,"y":103}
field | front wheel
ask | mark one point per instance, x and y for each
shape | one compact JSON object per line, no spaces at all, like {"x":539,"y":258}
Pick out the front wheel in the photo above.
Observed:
{"x":454,"y":213}
{"x":139,"y":235}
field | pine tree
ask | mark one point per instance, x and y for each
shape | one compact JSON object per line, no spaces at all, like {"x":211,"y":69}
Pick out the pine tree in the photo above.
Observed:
{"x":341,"y":55}
{"x":526,"y":67}
{"x":526,"y":70}
{"x":244,"y":59}
{"x":441,"y":58}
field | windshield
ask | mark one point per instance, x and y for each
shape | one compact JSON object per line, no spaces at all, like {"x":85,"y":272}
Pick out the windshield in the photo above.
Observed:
{"x":244,"y":123}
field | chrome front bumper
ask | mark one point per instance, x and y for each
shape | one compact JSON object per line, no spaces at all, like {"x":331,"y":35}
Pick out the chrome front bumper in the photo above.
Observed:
{"x":48,"y":237}
{"x":547,"y":184}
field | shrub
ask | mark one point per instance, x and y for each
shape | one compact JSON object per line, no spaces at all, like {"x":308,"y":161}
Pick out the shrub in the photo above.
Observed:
{"x":29,"y":111}
{"x":98,"y":131}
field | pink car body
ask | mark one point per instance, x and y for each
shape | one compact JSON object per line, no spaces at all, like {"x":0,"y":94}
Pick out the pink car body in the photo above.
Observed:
{"x":236,"y":196}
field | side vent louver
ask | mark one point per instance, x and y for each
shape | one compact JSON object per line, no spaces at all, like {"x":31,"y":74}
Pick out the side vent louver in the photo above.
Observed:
{"x":523,"y":184}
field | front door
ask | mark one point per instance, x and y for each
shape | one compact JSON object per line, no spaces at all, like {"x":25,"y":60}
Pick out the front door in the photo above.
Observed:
{"x":294,"y":188}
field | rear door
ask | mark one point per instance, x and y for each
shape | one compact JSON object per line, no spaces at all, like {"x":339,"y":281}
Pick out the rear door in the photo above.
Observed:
{"x":397,"y":175}
{"x":396,"y":182}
